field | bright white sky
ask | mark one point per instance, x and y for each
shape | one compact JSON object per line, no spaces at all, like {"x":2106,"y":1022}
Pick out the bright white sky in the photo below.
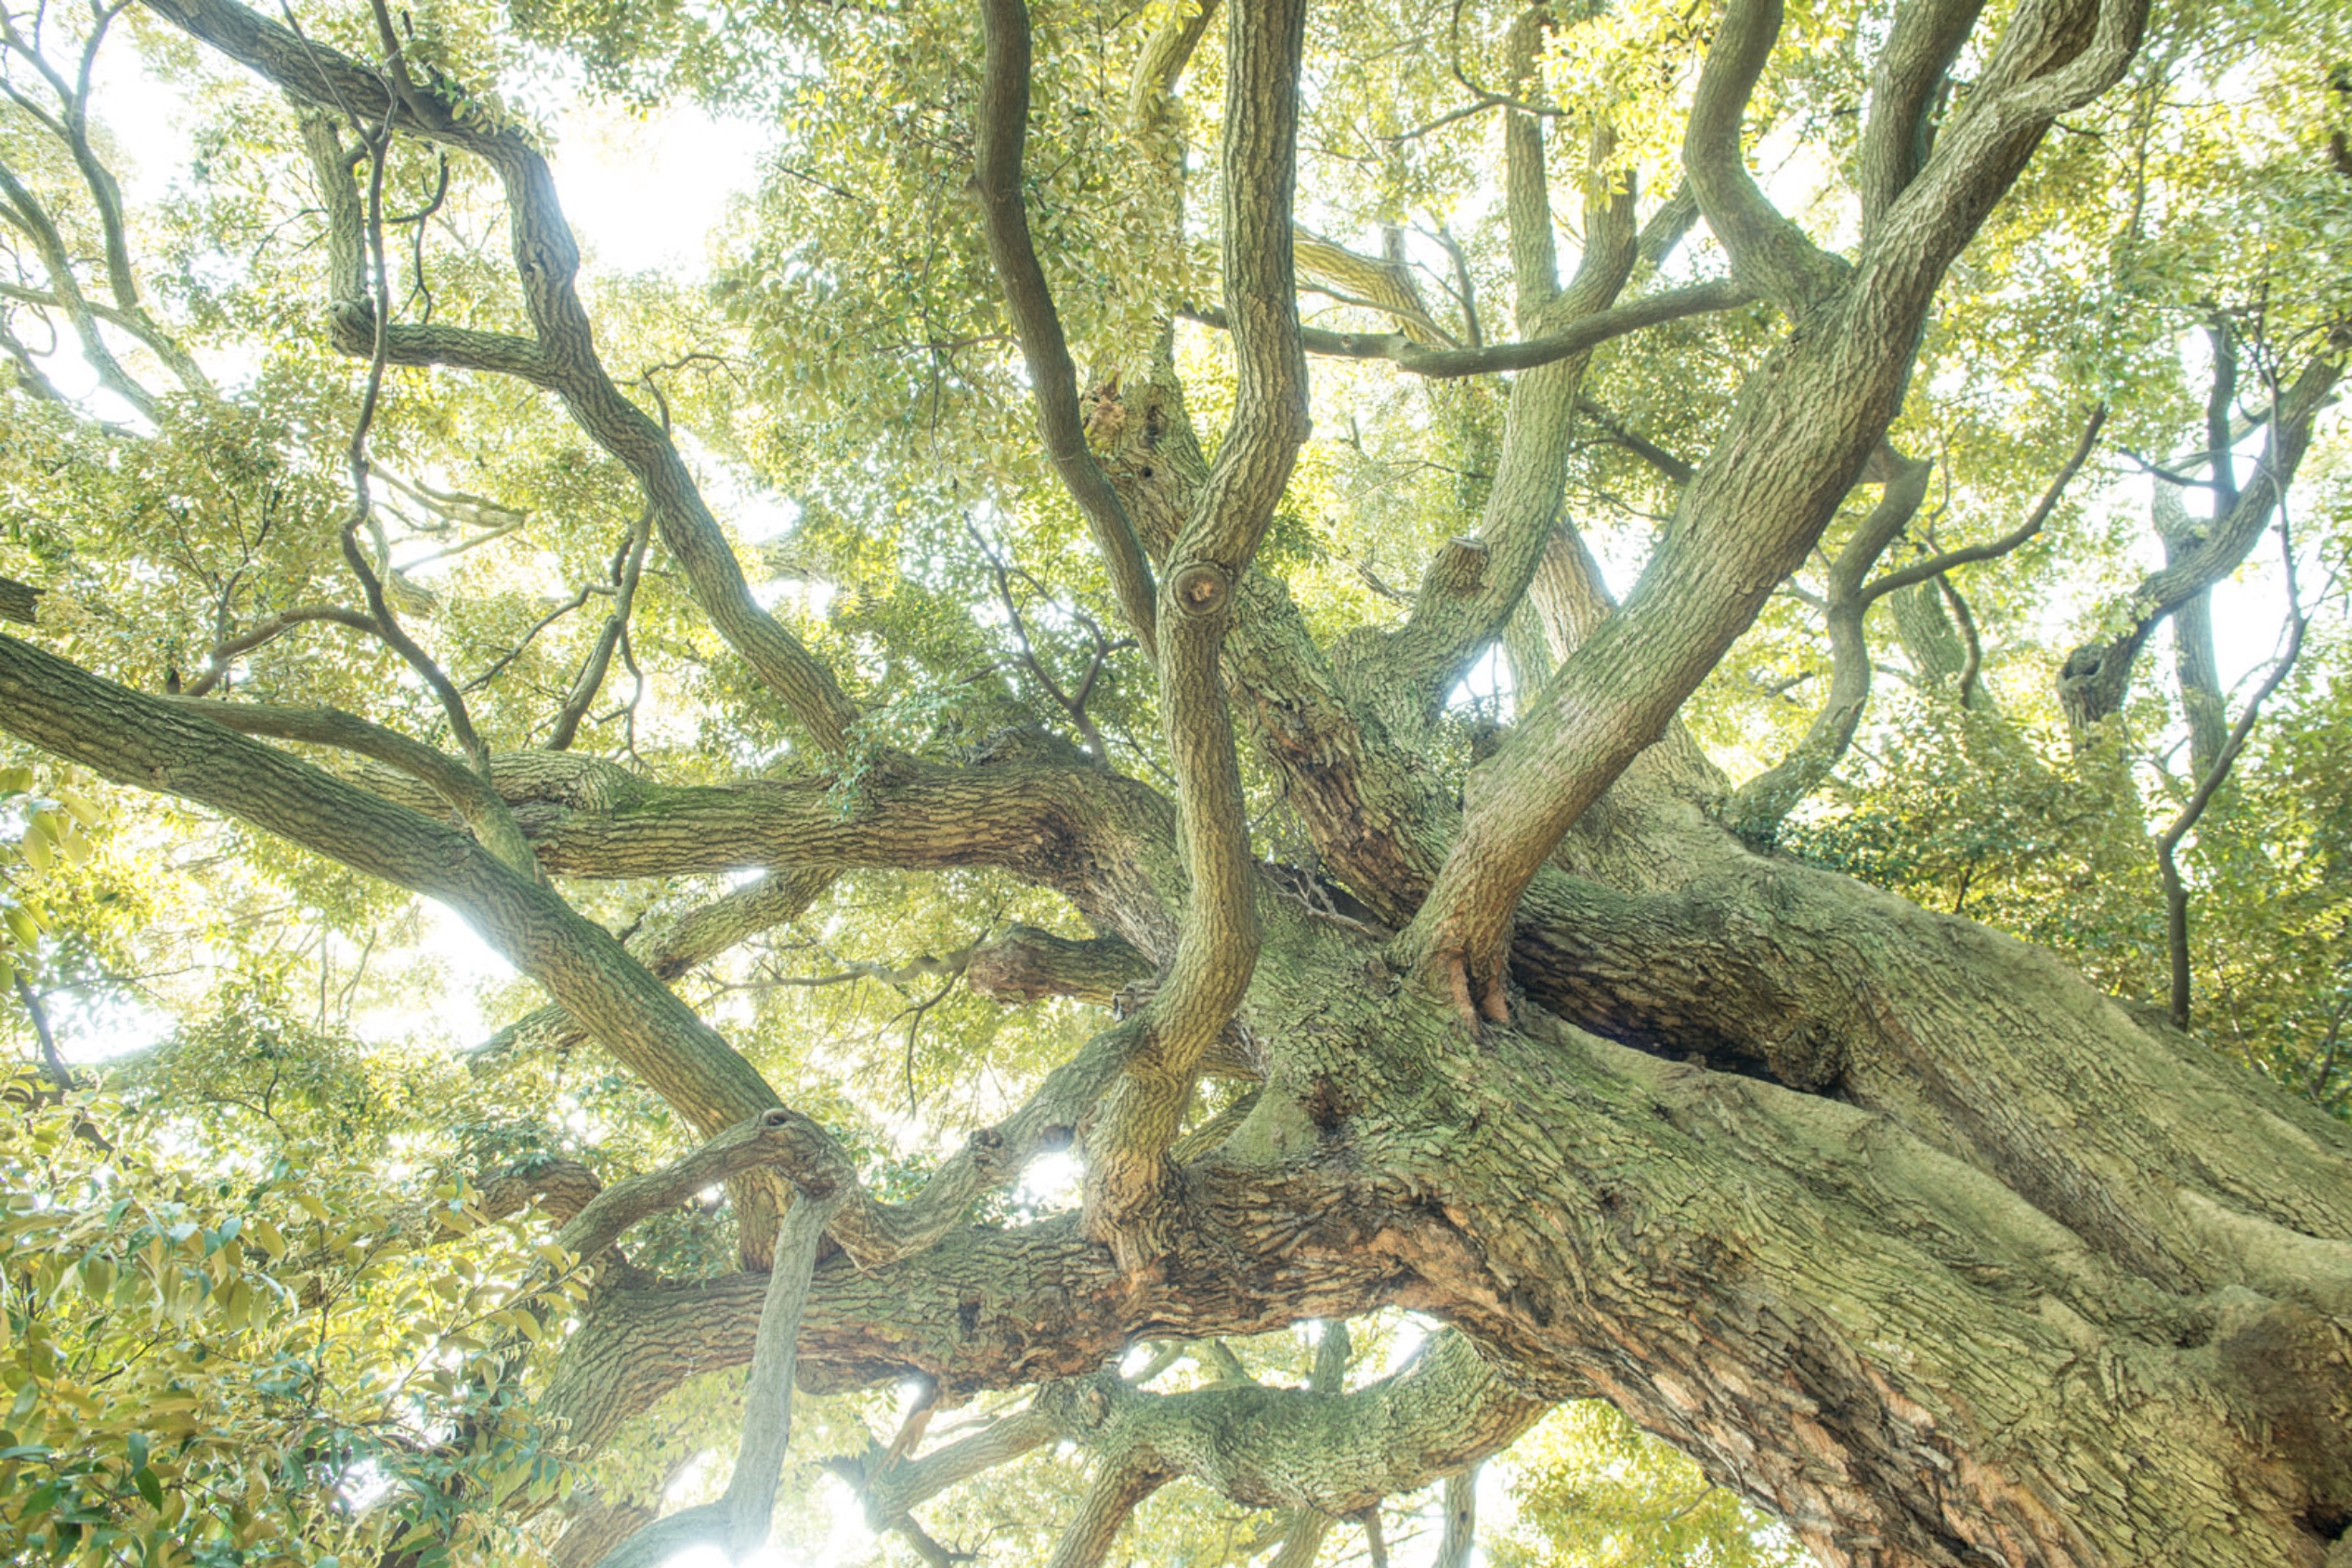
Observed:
{"x":645,"y":194}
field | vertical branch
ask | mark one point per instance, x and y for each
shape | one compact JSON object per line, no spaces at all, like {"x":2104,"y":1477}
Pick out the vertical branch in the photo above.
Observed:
{"x":767,"y":1396}
{"x":591,"y":679}
{"x":1534,"y":259}
{"x":2196,"y":669}
{"x":2168,"y":843}
{"x":1472,"y":586}
{"x":387,"y":626}
{"x":1461,"y":1520}
{"x":1972,"y":646}
{"x":53,"y":1065}
{"x":1216,"y":944}
{"x":1904,"y":88}
{"x":738,"y":1522}
{"x":1764,"y":803}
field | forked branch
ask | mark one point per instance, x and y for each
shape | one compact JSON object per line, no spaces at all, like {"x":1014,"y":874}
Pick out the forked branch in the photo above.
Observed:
{"x":2097,"y":675}
{"x":560,"y":354}
{"x":1216,"y":944}
{"x":157,"y":743}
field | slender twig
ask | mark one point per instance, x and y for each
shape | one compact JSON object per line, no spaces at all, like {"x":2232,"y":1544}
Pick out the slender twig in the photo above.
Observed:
{"x":53,"y":1065}
{"x":538,"y":626}
{"x":378,"y":145}
{"x":1936,"y":566}
{"x":627,"y":565}
{"x":2168,"y":843}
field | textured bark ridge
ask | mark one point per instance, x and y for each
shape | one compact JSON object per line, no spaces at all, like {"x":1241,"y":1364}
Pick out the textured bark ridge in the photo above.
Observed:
{"x":1901,"y":1230}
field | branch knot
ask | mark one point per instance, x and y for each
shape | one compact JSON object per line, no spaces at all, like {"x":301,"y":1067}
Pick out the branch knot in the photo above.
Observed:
{"x":1200,"y":589}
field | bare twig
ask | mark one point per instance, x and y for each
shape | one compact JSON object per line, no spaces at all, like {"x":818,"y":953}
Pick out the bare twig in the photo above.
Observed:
{"x":2168,"y":842}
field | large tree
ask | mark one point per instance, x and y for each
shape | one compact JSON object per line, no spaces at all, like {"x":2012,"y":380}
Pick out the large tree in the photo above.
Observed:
{"x":1415,"y":951}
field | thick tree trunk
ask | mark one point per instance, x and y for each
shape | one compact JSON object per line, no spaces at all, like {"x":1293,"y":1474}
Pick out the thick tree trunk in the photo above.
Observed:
{"x":1992,"y":1274}
{"x":2097,"y":1319}
{"x":1892,"y":1346}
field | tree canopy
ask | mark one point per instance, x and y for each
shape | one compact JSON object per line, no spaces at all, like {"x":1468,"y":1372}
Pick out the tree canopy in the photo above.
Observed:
{"x":1251,"y":750}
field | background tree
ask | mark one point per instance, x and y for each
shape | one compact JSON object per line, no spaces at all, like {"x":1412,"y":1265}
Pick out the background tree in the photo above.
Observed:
{"x":1081,"y":822}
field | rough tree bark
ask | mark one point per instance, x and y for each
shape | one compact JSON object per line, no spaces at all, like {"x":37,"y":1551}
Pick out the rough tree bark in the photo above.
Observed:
{"x":1898,"y":1227}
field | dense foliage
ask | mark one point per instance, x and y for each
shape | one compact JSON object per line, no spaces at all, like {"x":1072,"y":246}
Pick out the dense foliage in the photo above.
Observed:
{"x":277,"y":1256}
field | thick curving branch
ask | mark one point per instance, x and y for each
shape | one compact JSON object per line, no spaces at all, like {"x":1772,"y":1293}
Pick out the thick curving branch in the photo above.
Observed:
{"x":1217,"y":943}
{"x":2097,"y":675}
{"x":1906,"y":87}
{"x":1317,"y":1450}
{"x":1111,"y":1499}
{"x":1767,"y":249}
{"x":988,"y":1308}
{"x":2053,"y":55}
{"x":1026,"y":964}
{"x":1527,"y":216}
{"x":224,"y":654}
{"x":468,"y":792}
{"x":1001,"y":129}
{"x":1316,"y":1455}
{"x":1299,"y":1449}
{"x":1762,"y":803}
{"x":775,"y":1138}
{"x":1108,"y":843}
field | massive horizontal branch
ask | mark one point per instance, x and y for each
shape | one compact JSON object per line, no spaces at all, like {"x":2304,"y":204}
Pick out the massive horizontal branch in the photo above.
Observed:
{"x":994,"y":1309}
{"x":1026,"y":964}
{"x":671,"y":949}
{"x":1107,"y":841}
